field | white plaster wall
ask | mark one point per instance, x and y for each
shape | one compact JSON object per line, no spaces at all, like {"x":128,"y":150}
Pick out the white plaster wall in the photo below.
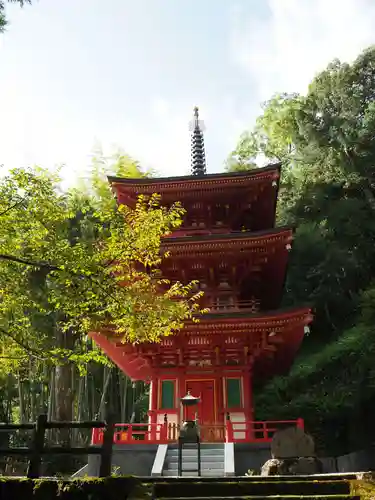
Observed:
{"x":172,"y":419}
{"x":238,"y":423}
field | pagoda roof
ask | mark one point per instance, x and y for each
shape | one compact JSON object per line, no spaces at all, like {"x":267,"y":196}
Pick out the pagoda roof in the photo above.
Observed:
{"x":260,"y":319}
{"x":187,"y":244}
{"x":256,"y":174}
{"x":240,"y":235}
{"x":277,"y":332}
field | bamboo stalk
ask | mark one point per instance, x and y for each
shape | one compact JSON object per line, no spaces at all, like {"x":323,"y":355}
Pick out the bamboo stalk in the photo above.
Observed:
{"x":20,"y":399}
{"x":106,"y":381}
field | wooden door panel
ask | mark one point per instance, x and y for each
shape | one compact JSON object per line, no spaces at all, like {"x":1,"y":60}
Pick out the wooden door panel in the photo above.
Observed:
{"x":205,"y":390}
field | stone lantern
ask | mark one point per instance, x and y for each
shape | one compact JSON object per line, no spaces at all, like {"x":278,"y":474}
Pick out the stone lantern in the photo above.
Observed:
{"x":189,"y":433}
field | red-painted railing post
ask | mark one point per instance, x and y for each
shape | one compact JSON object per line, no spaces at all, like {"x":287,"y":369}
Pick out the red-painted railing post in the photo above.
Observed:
{"x":153,"y":426}
{"x":300,"y":423}
{"x":129,"y":435}
{"x":249,"y":431}
{"x":95,"y":436}
{"x":229,"y":430}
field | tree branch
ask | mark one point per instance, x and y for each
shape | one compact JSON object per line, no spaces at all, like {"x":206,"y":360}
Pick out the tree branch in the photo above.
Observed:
{"x":19,"y":260}
{"x":12,"y":206}
{"x":32,"y":352}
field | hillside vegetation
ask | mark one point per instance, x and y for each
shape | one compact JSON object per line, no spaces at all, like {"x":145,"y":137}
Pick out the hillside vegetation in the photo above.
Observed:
{"x":326,"y":143}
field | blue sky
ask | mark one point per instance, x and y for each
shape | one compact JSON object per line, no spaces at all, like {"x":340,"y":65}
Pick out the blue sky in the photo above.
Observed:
{"x":128,"y":73}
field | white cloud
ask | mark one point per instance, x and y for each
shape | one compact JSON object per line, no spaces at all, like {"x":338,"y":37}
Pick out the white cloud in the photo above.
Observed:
{"x":285,"y":49}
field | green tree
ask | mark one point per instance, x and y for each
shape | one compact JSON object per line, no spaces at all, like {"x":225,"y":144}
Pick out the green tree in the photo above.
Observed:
{"x":272,"y":137}
{"x":325,"y":143}
{"x":3,"y":20}
{"x":75,"y":262}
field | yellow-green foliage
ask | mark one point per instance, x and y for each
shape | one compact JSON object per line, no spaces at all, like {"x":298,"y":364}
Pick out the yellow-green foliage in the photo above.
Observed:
{"x":72,"y":262}
{"x":363,"y":488}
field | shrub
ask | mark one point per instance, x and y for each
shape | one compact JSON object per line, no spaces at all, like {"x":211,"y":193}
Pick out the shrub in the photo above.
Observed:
{"x":113,"y":488}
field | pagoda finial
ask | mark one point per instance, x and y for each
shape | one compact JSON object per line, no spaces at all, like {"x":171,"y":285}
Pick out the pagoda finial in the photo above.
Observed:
{"x":198,"y":157}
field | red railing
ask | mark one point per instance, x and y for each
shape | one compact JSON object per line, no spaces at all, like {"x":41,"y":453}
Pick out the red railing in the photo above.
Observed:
{"x":135,"y":433}
{"x":258,"y":432}
{"x":252,"y":306}
{"x":232,"y":432}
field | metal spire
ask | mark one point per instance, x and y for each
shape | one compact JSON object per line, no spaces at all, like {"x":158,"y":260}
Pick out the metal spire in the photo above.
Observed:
{"x":198,"y":157}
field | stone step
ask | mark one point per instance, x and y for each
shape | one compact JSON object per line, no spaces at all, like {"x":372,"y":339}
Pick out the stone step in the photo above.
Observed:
{"x":204,"y":446}
{"x":246,"y":488}
{"x":195,"y":452}
{"x":213,"y":451}
{"x":215,"y":473}
{"x":207,"y":458}
{"x":273,"y":497}
{"x":190,"y":458}
{"x":211,"y":466}
{"x":331,"y":477}
{"x":192,"y":466}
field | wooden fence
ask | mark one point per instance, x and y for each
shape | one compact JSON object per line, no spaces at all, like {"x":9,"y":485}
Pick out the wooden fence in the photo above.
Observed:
{"x":38,"y":448}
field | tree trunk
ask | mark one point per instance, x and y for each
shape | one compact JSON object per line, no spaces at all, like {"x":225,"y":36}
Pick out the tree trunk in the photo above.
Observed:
{"x":51,"y":395}
{"x":64,"y":393}
{"x":63,"y":386}
{"x":103,"y":400}
{"x":20,"y":399}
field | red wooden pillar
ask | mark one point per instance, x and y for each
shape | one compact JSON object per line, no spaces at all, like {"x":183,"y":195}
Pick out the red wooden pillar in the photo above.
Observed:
{"x":153,"y":406}
{"x":229,"y":437}
{"x":300,"y":423}
{"x":154,"y":394}
{"x":219,"y":398}
{"x":181,"y":392}
{"x":248,"y":402}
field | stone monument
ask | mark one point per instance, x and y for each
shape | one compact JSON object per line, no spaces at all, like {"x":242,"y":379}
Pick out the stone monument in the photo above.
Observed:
{"x":293,"y":453}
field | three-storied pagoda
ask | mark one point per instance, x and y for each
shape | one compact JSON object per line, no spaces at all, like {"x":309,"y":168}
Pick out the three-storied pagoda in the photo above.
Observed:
{"x":228,"y":243}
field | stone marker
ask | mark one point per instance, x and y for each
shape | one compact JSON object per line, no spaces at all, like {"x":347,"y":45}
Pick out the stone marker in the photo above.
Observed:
{"x":293,"y":453}
{"x":291,"y":443}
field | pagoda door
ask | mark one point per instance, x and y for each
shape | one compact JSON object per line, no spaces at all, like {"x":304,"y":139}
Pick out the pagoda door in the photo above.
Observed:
{"x":205,"y":390}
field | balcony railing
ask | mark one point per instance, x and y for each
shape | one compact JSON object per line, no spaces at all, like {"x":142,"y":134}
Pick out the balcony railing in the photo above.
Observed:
{"x":135,"y":434}
{"x":258,"y":432}
{"x":251,"y":306}
{"x":230,"y":432}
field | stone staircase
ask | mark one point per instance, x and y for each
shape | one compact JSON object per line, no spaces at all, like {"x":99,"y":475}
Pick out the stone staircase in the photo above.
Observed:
{"x":324,"y":487}
{"x":212,"y":460}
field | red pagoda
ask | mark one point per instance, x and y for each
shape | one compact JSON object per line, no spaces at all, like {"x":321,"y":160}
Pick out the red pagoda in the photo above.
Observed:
{"x":228,"y":243}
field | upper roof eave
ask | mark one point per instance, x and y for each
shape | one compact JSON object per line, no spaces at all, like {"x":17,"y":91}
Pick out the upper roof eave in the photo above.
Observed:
{"x":264,"y":316}
{"x":228,"y":236}
{"x":183,"y":178}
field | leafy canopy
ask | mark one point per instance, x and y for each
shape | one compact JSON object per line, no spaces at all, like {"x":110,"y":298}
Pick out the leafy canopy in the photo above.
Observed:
{"x":74,"y":262}
{"x":325,"y":141}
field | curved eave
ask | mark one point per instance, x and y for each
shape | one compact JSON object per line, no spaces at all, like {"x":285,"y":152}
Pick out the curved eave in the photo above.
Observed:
{"x":209,"y":322}
{"x":161,"y":184}
{"x":284,"y":330}
{"x":135,"y":367}
{"x":246,"y":240}
{"x":262,"y":321}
